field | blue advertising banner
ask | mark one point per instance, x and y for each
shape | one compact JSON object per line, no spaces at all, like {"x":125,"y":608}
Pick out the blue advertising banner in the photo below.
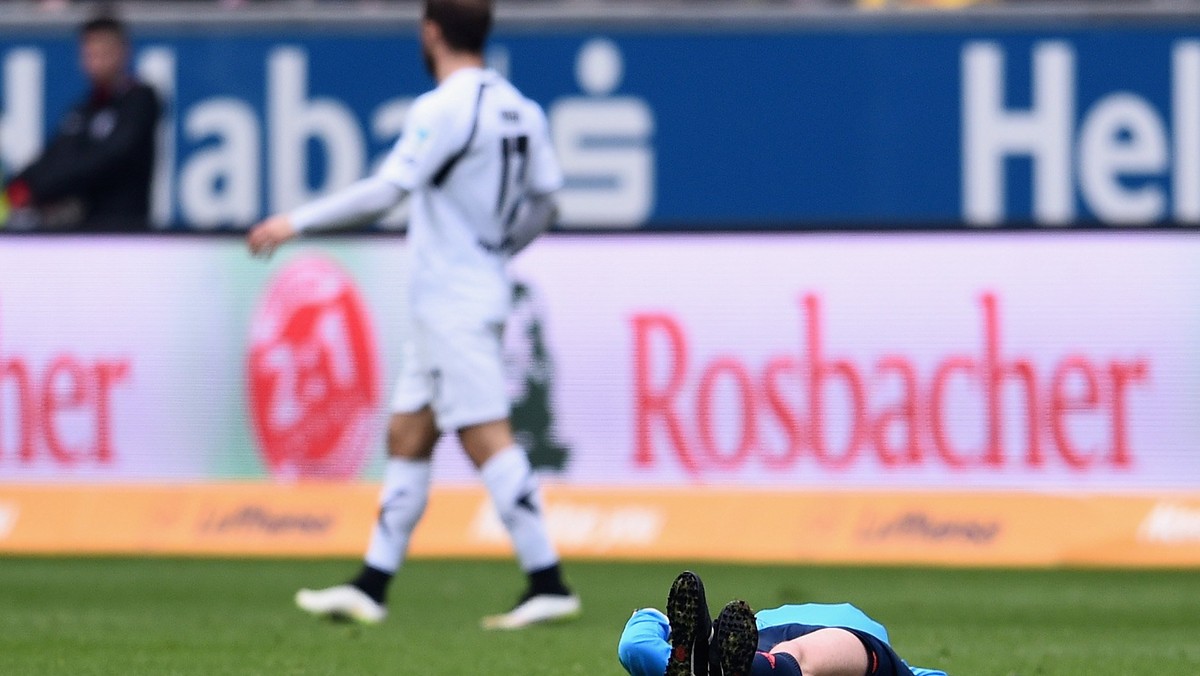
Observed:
{"x":684,"y":128}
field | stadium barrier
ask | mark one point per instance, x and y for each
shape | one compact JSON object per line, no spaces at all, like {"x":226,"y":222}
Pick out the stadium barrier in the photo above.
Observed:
{"x":1002,"y":398}
{"x":774,"y":120}
{"x":986,"y":528}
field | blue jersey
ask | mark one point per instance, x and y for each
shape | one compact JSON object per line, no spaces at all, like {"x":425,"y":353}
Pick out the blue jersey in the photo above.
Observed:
{"x":644,"y":650}
{"x":823,"y":615}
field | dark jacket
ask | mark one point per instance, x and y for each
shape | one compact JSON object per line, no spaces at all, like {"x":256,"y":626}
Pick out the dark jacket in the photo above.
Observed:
{"x":102,"y":158}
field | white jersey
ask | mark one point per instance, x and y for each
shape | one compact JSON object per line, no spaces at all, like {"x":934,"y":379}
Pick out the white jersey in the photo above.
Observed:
{"x":472,"y":150}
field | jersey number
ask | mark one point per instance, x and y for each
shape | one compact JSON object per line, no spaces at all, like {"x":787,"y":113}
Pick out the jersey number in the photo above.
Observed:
{"x":514,"y":160}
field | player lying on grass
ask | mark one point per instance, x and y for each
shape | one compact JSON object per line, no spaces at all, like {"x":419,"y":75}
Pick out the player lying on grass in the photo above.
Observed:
{"x":793,"y":640}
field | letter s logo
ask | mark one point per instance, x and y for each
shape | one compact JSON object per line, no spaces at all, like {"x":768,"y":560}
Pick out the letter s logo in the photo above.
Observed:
{"x":605,"y":144}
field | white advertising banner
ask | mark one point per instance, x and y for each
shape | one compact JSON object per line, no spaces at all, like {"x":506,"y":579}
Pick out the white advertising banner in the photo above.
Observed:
{"x":1001,"y":361}
{"x":1004,"y":361}
{"x":183,"y":359}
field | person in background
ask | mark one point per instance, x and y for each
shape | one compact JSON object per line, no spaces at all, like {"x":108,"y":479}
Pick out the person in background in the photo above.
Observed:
{"x":3,"y":210}
{"x":95,"y":174}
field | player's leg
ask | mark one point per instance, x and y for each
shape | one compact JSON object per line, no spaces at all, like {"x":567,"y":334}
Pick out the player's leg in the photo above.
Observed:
{"x":826,"y":652}
{"x":504,"y":467}
{"x":470,"y":396}
{"x":402,"y":499}
{"x":691,"y":626}
{"x":834,"y":651}
{"x":411,"y":437}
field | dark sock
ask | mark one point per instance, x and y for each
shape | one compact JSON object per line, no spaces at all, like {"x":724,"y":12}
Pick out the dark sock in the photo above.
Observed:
{"x":374,"y":583}
{"x":547,"y":581}
{"x":776,"y":664}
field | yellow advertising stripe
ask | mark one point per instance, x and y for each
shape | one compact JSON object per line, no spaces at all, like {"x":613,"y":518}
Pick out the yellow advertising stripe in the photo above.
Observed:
{"x":887,"y":527}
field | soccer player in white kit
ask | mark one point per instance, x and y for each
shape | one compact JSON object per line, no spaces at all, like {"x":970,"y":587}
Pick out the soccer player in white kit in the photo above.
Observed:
{"x":476,"y":159}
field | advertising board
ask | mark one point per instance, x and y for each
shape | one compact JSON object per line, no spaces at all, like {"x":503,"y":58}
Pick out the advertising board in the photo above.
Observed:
{"x":948,"y":398}
{"x":822,"y":125}
{"x":1001,"y":360}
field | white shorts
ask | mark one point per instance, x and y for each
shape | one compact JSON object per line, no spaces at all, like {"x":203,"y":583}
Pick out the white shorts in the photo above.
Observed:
{"x":457,"y":368}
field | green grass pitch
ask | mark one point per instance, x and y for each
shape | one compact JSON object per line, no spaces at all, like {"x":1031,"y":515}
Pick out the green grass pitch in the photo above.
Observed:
{"x":195,"y":616}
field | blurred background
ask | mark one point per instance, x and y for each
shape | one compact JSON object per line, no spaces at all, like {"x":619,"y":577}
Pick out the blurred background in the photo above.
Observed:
{"x":922,"y":275}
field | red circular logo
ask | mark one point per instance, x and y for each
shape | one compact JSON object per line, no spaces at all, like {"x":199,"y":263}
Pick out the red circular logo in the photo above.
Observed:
{"x":313,"y":373}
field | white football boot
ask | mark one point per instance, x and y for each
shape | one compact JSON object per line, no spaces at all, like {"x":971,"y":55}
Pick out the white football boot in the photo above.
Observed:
{"x":536,"y":610}
{"x":343,"y":602}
